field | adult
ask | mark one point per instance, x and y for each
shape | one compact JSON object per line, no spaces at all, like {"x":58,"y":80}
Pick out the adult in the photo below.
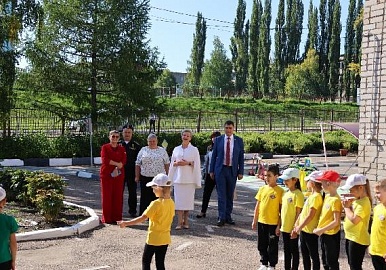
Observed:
{"x":132,"y":148}
{"x":186,"y":176}
{"x":227,"y":165}
{"x":112,"y":179}
{"x":209,"y":182}
{"x":151,"y":160}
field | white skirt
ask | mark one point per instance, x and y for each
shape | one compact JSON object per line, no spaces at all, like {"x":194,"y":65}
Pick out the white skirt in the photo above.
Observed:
{"x":184,"y":196}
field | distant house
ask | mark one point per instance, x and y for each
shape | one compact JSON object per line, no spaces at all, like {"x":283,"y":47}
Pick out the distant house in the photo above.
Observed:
{"x":180,"y":77}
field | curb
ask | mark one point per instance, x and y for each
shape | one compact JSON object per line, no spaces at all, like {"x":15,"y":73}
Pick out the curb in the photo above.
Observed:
{"x":77,"y":229}
{"x":49,"y":162}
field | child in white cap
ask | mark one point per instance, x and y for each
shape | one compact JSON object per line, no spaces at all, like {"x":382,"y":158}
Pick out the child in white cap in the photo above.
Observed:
{"x":8,"y":229}
{"x":160,"y":213}
{"x":307,"y":222}
{"x":356,"y":223}
{"x":377,"y":248}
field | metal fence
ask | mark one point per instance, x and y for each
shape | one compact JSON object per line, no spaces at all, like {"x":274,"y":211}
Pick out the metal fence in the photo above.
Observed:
{"x":28,"y":121}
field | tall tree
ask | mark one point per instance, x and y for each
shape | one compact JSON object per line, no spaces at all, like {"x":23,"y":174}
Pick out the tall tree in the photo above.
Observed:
{"x":15,"y":16}
{"x":239,"y":49}
{"x":93,"y":56}
{"x":312,"y":36}
{"x":263,"y":64}
{"x":196,"y":62}
{"x":349,"y":50}
{"x":334,"y":50}
{"x":253,"y":48}
{"x":294,"y":28}
{"x":278,"y":78}
{"x":217,"y":73}
{"x":358,"y":28}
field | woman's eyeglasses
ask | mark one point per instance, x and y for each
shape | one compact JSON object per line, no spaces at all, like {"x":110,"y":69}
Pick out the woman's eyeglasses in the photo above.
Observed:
{"x":115,"y":136}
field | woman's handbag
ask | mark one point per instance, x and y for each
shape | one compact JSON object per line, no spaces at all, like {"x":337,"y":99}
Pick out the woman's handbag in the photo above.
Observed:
{"x":116,"y":172}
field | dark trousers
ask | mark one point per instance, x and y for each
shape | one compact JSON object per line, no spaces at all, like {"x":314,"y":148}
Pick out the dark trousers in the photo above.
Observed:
{"x":6,"y":265}
{"x":378,"y":262}
{"x":267,"y":244}
{"x":208,"y":189}
{"x":147,"y":194}
{"x":355,"y":254}
{"x":291,"y":252}
{"x":132,"y":189}
{"x":330,"y":251}
{"x":225,"y":185}
{"x":160,"y":253}
{"x":309,"y":248}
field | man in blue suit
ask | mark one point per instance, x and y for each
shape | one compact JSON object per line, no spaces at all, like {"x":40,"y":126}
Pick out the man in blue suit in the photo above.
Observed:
{"x":227,"y":165}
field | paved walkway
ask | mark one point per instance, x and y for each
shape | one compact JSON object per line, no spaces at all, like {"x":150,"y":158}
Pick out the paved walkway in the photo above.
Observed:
{"x":203,"y":246}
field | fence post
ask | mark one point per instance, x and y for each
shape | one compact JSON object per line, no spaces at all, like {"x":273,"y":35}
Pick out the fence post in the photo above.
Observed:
{"x":270,"y":121}
{"x":236,"y":119}
{"x":302,"y":121}
{"x":199,"y":122}
{"x":331,"y":119}
{"x":159,"y":124}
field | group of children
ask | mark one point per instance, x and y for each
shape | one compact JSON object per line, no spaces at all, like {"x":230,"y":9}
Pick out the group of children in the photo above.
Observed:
{"x":318,"y":218}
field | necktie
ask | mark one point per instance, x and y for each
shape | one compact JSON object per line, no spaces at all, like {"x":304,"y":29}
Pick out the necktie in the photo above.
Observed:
{"x":228,"y":153}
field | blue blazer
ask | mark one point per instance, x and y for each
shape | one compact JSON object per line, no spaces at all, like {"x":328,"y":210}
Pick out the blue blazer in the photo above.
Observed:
{"x":217,"y":160}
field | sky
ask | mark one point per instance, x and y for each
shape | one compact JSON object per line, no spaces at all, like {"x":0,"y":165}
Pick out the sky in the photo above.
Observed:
{"x":173,"y":26}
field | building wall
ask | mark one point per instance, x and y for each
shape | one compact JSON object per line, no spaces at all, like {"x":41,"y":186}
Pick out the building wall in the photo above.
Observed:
{"x":372,"y":130}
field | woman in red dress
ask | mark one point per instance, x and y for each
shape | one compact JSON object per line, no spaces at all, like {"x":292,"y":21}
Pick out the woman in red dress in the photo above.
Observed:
{"x":112,"y":179}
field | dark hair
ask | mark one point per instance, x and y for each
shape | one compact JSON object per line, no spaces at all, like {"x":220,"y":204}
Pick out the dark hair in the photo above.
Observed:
{"x":297,"y":185}
{"x":129,"y":126}
{"x":215,"y":134}
{"x":273,"y":168}
{"x":229,"y":123}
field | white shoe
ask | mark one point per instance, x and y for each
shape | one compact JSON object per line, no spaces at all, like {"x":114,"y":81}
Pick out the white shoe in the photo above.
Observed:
{"x":263,"y":267}
{"x":270,"y":268}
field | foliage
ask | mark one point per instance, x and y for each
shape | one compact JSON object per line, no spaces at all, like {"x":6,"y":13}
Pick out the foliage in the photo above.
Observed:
{"x":294,"y":27}
{"x":217,"y":72}
{"x":92,"y":56}
{"x":166,"y":80}
{"x":50,"y":203}
{"x":196,"y":62}
{"x":277,"y":72}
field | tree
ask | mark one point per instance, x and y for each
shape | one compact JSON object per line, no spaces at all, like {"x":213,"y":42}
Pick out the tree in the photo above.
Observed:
{"x":358,"y":27}
{"x":15,"y":16}
{"x":253,"y":48}
{"x":349,"y":50}
{"x":312,"y":36}
{"x":196,"y":62}
{"x":294,"y":28}
{"x":263,"y":64}
{"x":217,"y":73}
{"x":278,"y":78}
{"x":239,"y":48}
{"x":304,"y":80}
{"x":334,"y":51}
{"x":93,"y":56}
{"x":166,"y":79}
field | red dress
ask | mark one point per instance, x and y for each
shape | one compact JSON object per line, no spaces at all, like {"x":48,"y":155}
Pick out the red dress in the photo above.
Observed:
{"x":112,"y":187}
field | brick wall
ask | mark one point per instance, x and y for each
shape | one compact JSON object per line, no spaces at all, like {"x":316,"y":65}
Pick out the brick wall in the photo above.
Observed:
{"x":372,"y":130}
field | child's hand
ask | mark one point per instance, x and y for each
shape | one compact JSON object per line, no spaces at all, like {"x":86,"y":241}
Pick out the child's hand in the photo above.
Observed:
{"x":384,"y":256}
{"x":253,"y":225}
{"x":277,"y":231}
{"x":121,"y":224}
{"x":318,"y":232}
{"x":294,"y":234}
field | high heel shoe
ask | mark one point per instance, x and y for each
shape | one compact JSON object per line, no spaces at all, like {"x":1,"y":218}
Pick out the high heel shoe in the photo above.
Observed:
{"x":201,"y":215}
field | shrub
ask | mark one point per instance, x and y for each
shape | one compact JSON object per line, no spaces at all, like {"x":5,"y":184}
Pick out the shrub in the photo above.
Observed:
{"x":50,"y":203}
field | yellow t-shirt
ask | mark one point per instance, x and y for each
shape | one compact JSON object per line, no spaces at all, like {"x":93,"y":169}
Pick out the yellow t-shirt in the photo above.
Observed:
{"x":269,"y":204}
{"x":359,"y":233}
{"x":314,"y":201}
{"x":160,"y":213}
{"x":290,"y":201}
{"x":378,"y":231}
{"x":331,"y":204}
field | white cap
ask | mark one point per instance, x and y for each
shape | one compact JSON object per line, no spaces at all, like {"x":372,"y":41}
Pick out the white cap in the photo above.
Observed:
{"x":289,"y":173}
{"x":313,"y":176}
{"x":3,"y":194}
{"x":354,"y":180}
{"x":161,"y":180}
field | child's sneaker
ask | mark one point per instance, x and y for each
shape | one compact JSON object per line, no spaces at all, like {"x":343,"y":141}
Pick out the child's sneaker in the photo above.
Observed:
{"x":271,"y":268}
{"x":263,"y":267}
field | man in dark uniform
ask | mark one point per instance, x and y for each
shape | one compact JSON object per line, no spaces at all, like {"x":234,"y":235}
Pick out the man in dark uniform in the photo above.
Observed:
{"x":132,"y":149}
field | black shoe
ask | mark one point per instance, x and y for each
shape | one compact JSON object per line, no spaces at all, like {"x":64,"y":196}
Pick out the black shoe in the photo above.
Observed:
{"x":133,"y":215}
{"x":220,"y":223}
{"x":230,"y":222}
{"x":201,"y":215}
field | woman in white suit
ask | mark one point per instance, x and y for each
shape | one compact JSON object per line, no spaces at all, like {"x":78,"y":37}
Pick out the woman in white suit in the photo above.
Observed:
{"x":186,"y":176}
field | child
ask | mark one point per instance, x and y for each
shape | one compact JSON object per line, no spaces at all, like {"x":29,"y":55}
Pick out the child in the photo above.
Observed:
{"x":377,"y":248}
{"x":266,"y":218}
{"x":292,"y":204}
{"x":329,"y":222}
{"x":8,"y":229}
{"x":356,"y":223}
{"x":160,"y":213}
{"x":307,"y":222}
